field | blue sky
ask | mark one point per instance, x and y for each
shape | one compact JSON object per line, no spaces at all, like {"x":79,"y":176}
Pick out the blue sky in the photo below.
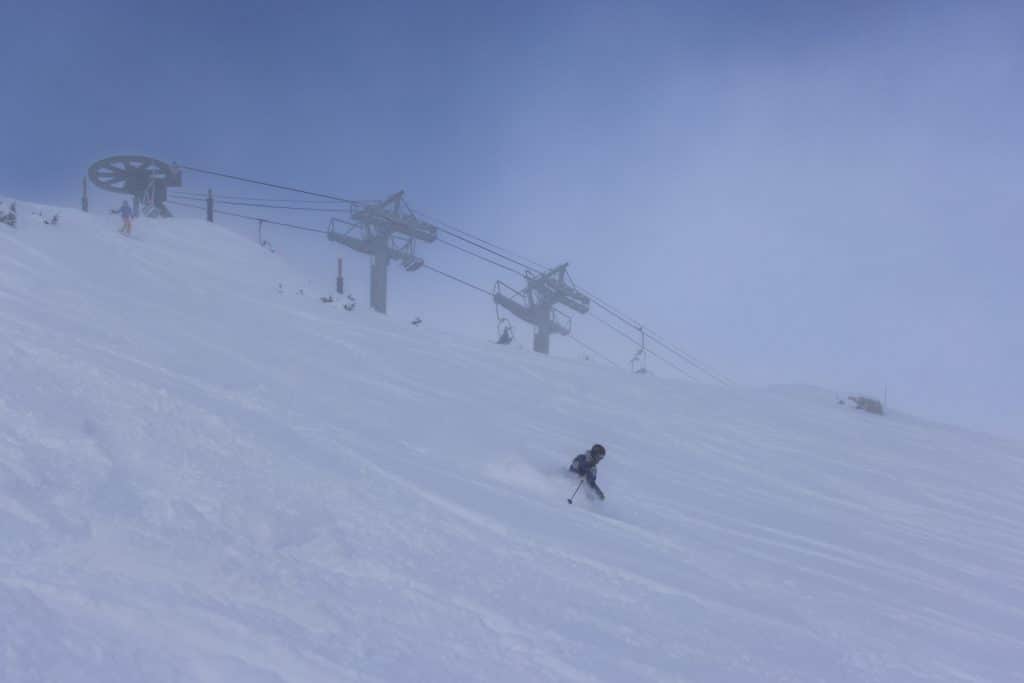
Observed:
{"x":827,"y":193}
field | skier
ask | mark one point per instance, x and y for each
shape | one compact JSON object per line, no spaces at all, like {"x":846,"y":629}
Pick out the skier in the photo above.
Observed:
{"x":585,"y":465}
{"x":126,"y":216}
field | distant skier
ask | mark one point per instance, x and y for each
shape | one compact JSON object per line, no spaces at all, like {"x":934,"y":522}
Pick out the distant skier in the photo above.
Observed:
{"x":585,"y":465}
{"x":126,"y":218}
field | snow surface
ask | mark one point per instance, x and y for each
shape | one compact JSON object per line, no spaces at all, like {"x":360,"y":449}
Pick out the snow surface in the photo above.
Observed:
{"x":203,"y":478}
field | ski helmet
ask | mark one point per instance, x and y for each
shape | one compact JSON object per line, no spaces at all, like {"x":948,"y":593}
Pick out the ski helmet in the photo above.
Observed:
{"x":597,"y":450}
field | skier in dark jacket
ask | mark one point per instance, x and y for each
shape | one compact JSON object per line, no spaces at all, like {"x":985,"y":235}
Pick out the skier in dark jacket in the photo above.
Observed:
{"x":585,"y":465}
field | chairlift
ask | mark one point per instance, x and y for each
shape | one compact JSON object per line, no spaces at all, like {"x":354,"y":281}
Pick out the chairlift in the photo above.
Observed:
{"x":412,"y":264}
{"x":505,"y":332}
{"x":638,"y":364}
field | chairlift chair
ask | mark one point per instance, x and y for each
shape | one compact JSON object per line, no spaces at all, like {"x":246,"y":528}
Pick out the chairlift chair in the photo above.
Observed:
{"x":505,"y":332}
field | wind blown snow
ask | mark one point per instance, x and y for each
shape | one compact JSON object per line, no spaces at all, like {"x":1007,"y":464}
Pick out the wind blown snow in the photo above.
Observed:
{"x":205,"y":476}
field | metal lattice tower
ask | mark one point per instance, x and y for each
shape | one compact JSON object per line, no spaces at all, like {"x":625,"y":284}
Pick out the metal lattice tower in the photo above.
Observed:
{"x":536,"y":302}
{"x":386,"y":230}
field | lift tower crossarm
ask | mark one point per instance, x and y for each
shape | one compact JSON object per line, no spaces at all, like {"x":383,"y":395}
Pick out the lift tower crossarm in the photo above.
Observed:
{"x":555,"y":286}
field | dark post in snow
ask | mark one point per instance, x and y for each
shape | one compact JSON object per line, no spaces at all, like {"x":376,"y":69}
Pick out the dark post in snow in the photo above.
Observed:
{"x":341,"y":280}
{"x":85,"y":196}
{"x":209,"y":206}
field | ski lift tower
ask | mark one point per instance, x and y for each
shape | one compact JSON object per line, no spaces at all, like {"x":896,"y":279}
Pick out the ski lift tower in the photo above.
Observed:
{"x":386,"y":230}
{"x":535,"y":303}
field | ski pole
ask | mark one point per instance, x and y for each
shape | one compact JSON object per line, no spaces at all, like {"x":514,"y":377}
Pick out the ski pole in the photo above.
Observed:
{"x":576,"y":491}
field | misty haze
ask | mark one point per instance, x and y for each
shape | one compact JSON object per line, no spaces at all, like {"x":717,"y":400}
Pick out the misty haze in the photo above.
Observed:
{"x":511,"y":342}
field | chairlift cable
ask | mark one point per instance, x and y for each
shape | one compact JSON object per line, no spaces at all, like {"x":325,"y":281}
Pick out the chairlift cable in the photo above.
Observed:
{"x":594,"y":351}
{"x":506,"y":251}
{"x":256,"y":218}
{"x":266,"y":184}
{"x":185,"y":194}
{"x":626,"y":335}
{"x":479,"y":256}
{"x":457,"y":279}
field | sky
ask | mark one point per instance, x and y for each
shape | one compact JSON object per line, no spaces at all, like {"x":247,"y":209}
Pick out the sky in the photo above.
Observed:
{"x":794,"y":192}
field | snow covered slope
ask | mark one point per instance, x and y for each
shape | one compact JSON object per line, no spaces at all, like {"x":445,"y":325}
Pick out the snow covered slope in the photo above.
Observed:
{"x":203,"y":478}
